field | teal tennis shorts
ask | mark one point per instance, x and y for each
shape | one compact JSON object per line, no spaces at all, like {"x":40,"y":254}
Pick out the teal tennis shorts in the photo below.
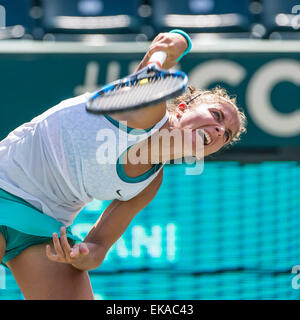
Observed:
{"x":23,"y":226}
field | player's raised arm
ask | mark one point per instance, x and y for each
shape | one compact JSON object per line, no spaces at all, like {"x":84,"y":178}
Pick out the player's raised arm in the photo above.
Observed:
{"x":149,"y":86}
{"x":140,"y":99}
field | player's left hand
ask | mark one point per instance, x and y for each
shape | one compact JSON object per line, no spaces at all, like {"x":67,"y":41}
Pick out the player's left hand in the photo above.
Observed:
{"x":64,"y":253}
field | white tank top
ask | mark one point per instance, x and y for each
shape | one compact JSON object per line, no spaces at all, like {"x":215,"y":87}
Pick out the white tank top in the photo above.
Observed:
{"x":66,"y":157}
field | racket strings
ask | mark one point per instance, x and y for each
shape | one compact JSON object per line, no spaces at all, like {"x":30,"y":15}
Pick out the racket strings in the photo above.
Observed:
{"x":138,"y":92}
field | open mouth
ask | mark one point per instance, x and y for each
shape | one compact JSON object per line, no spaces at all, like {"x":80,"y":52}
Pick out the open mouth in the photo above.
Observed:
{"x":206,"y":136}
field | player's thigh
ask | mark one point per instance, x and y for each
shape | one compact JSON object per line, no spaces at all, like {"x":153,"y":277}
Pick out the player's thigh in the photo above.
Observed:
{"x":2,"y":246}
{"x":42,"y":279}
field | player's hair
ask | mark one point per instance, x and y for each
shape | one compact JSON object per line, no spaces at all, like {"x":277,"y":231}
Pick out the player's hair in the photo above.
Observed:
{"x":193,"y":97}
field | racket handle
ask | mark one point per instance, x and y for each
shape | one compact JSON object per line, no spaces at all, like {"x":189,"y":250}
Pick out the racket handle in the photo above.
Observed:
{"x":158,"y":58}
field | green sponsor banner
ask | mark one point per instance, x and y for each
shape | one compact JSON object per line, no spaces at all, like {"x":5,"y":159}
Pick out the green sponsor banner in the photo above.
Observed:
{"x":265,"y":77}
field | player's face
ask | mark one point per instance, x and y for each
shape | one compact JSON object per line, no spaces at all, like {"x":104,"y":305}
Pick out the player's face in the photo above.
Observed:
{"x":219,"y":123}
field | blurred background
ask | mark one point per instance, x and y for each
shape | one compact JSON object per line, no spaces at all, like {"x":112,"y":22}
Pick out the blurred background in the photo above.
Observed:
{"x":232,"y":232}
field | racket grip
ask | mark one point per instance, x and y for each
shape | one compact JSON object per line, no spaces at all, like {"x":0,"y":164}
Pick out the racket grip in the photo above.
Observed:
{"x":158,"y":58}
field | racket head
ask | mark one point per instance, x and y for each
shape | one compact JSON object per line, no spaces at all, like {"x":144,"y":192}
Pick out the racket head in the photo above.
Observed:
{"x":147,"y":87}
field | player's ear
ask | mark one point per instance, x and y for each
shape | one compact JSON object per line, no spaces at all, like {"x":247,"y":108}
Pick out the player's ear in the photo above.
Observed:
{"x":181,"y":108}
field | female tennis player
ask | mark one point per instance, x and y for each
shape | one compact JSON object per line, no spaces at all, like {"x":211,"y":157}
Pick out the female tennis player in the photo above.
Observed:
{"x":49,"y":169}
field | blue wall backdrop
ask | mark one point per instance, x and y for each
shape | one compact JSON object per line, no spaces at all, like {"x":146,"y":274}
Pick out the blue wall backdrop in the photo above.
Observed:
{"x":231,"y":233}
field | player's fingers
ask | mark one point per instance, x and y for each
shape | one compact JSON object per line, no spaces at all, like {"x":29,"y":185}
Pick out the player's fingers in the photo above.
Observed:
{"x":83,"y":249}
{"x":173,"y":44}
{"x":74,"y":252}
{"x":158,"y":37}
{"x":157,"y":47}
{"x":57,"y":246}
{"x":172,"y":54}
{"x":64,"y":242}
{"x":154,"y":49}
{"x":50,"y":254}
{"x":78,"y":250}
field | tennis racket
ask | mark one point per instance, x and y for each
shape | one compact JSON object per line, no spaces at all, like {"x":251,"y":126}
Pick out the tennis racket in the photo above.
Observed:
{"x":148,"y":86}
